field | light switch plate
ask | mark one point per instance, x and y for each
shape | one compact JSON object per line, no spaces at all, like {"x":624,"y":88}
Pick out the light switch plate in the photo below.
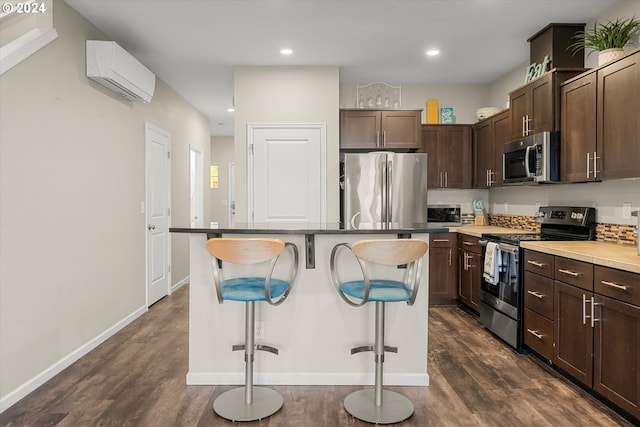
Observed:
{"x":626,"y":210}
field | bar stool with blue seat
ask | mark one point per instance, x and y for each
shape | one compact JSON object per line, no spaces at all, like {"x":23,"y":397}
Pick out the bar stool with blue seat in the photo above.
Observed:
{"x":379,"y":406}
{"x":250,"y":403}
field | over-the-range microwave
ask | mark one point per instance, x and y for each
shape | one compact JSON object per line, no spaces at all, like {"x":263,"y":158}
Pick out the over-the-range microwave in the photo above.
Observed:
{"x":533,"y":158}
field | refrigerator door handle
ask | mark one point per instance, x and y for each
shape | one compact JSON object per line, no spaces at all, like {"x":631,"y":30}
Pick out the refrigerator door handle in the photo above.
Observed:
{"x":389,"y":192}
{"x":353,"y":221}
{"x":383,"y":192}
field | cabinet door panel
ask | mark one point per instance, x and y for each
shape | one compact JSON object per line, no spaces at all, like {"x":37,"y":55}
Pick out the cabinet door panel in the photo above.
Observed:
{"x":482,"y":153}
{"x":359,"y":129}
{"x":617,"y":353}
{"x":618,"y":123}
{"x":401,"y":129}
{"x":464,"y":278}
{"x":541,"y":113}
{"x":519,"y":104}
{"x":475,"y":269}
{"x":578,"y":128}
{"x":442,"y":268}
{"x":456,"y":152}
{"x":574,"y":336}
{"x":501,"y":135}
{"x":430,"y":146}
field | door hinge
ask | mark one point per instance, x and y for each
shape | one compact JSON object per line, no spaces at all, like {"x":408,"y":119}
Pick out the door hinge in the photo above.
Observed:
{"x":168,"y":154}
{"x":169,"y":270}
{"x":169,"y":211}
{"x":251,"y":149}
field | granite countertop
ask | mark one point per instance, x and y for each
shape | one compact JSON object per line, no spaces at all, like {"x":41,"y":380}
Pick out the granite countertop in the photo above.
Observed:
{"x":479,"y":230}
{"x":304,"y":228}
{"x":622,"y":257}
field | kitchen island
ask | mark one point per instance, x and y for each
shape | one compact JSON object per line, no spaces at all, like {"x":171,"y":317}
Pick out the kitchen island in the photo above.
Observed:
{"x":313,"y":329}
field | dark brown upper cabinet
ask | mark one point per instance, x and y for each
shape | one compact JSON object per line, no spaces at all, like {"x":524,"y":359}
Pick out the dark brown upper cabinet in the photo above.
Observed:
{"x":380,"y":129}
{"x":449,"y":162}
{"x":600,"y":136}
{"x":488,"y":139}
{"x":535,"y":107}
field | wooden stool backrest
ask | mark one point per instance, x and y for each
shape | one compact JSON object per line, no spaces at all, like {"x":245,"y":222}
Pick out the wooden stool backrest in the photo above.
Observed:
{"x":245,"y":250}
{"x":390,"y":251}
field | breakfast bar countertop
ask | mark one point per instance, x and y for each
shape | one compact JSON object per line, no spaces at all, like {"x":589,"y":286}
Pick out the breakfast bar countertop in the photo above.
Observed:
{"x":304,"y":228}
{"x":621,"y":257}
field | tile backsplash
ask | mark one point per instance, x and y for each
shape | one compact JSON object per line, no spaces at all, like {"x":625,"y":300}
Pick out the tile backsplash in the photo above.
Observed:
{"x":521,"y":222}
{"x":615,"y":233}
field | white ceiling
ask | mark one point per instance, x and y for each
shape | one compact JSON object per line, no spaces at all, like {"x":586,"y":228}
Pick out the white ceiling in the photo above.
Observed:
{"x":193,"y":45}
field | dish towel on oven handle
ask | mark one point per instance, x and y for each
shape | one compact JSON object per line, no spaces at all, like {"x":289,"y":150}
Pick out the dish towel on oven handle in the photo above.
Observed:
{"x":492,"y":263}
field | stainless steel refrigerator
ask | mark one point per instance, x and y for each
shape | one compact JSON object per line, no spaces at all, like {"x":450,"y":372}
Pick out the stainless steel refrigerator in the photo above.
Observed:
{"x":383,"y":190}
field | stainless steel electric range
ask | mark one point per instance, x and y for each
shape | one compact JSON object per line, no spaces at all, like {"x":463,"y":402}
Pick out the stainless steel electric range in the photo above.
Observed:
{"x":501,"y":295}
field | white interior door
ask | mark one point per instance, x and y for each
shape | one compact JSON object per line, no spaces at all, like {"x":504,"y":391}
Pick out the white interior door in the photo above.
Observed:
{"x":196,"y":184}
{"x":158,"y":214}
{"x":231,"y":193}
{"x":286,"y":170}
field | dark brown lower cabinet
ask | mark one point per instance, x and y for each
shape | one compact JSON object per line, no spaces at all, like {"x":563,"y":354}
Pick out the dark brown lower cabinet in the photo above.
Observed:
{"x":616,"y":353}
{"x":574,"y":335}
{"x":590,"y":328}
{"x":443,"y":271}
{"x":469,"y":271}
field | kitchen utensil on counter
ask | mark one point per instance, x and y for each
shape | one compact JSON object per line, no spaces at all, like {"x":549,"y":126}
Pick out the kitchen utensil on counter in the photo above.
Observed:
{"x":480,"y":212}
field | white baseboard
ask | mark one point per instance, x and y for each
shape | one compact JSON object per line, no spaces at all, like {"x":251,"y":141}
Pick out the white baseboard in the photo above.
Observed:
{"x":10,"y":399}
{"x":180,"y":284}
{"x":218,"y":378}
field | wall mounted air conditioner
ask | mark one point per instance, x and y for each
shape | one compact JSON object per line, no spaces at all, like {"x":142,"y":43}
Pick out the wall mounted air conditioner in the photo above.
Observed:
{"x":113,"y":67}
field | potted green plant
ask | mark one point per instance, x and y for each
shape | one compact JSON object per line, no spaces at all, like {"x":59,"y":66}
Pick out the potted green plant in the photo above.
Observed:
{"x":608,"y":39}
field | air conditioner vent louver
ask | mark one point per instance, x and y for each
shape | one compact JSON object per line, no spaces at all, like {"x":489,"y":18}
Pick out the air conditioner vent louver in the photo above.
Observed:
{"x":114,"y":68}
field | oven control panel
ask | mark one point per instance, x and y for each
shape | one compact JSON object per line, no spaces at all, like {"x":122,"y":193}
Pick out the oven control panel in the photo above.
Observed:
{"x":566,"y":215}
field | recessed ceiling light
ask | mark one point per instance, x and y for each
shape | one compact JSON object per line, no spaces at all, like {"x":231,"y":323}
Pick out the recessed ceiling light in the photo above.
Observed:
{"x":433,"y":52}
{"x":286,"y":51}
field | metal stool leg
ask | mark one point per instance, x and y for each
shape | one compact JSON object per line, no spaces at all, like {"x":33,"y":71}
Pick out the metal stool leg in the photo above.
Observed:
{"x":379,"y":406}
{"x":248,"y":403}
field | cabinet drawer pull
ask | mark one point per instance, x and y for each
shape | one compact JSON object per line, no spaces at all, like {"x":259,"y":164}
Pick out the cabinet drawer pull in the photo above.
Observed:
{"x":467,"y":243}
{"x":440,"y":240}
{"x":536,"y":294}
{"x":536,"y":334}
{"x":537,"y":264}
{"x":569,"y":272}
{"x":615,"y":285}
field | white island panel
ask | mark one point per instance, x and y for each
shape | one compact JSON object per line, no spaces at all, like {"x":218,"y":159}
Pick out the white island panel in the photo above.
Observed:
{"x":314,"y":329}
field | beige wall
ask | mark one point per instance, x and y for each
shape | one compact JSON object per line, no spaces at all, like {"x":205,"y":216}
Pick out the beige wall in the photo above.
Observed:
{"x":72,"y":235}
{"x":464,"y":98}
{"x":287,"y":95}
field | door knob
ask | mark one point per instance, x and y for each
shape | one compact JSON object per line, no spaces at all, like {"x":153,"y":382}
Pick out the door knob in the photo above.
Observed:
{"x":151,"y":227}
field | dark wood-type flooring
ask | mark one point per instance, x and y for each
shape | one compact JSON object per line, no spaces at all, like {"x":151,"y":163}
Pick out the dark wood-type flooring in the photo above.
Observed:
{"x":137,"y":378}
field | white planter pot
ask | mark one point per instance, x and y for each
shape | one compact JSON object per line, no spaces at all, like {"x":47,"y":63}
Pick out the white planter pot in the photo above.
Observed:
{"x":609,"y":55}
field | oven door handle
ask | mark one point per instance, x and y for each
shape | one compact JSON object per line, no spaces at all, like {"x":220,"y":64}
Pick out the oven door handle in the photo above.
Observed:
{"x":508,"y":248}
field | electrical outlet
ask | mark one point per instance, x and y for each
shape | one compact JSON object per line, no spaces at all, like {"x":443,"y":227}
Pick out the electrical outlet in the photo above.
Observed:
{"x":259,"y":330}
{"x":506,"y":206}
{"x":626,"y":211}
